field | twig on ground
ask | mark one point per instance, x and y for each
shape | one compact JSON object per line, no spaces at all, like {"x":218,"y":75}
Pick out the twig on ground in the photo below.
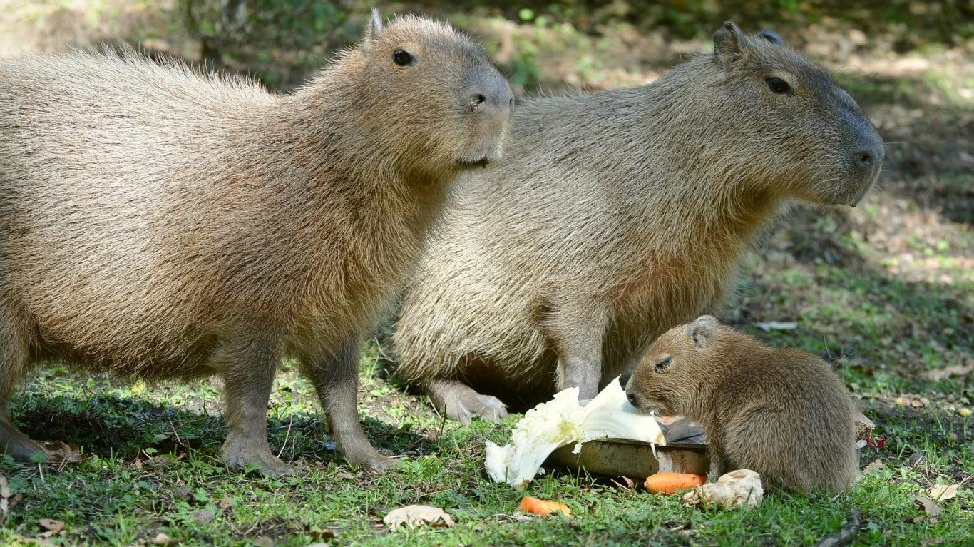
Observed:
{"x":287,"y":435}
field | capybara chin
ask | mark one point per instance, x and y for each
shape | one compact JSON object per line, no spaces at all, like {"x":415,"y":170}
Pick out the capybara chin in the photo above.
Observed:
{"x":162,"y":223}
{"x":780,"y":412}
{"x":617,"y":215}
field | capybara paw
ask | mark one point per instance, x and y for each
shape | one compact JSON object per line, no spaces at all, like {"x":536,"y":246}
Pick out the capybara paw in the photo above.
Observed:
{"x":26,"y":451}
{"x":19,"y":446}
{"x":366,"y":457}
{"x":260,"y":458}
{"x":464,"y":407}
{"x":379,"y":463}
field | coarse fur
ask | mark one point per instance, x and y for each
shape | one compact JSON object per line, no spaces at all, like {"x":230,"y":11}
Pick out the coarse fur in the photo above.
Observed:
{"x":617,"y":215}
{"x":159,"y":222}
{"x":780,"y":412}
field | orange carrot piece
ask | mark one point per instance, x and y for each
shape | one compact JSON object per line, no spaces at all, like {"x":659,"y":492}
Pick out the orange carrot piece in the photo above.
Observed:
{"x":666,"y":482}
{"x":543,"y":507}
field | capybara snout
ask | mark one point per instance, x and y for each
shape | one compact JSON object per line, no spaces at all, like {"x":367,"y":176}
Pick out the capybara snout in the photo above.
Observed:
{"x":488,"y":99}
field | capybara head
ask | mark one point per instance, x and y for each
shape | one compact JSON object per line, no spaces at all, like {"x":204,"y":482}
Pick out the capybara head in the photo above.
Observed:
{"x":673,"y":370}
{"x":431,"y":93}
{"x":804,"y":132}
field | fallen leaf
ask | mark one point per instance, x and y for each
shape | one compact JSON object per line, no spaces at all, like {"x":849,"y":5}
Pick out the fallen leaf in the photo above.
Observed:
{"x":947,"y":372}
{"x":417,"y":515}
{"x":875,"y":442}
{"x":226,"y":503}
{"x":943,"y":492}
{"x":876,"y":465}
{"x":544,"y":508}
{"x":929,"y":506}
{"x":626,"y":483}
{"x":51,"y":525}
{"x":60,"y":452}
{"x":163,"y":538}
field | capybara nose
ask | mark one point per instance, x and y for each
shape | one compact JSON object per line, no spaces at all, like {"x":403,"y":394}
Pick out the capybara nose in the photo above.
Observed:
{"x":624,"y":380}
{"x":865,"y":159}
{"x":476,"y":100}
{"x":489,"y":91}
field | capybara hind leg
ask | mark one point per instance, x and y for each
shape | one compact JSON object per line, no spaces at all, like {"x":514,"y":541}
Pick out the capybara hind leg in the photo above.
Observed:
{"x":13,"y":365}
{"x":460,"y":402}
{"x":248,"y":379}
{"x":17,"y":445}
{"x":336,"y":381}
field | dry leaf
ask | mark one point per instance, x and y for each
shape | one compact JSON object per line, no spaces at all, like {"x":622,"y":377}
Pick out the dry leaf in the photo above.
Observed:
{"x":947,"y":372}
{"x":163,"y":538}
{"x":51,"y":525}
{"x":876,"y":465}
{"x":226,"y":503}
{"x":943,"y":492}
{"x":60,"y":452}
{"x":929,"y":507}
{"x":628,"y":483}
{"x":417,"y":515}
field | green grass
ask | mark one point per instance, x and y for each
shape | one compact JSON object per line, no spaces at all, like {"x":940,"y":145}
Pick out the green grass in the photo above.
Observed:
{"x":151,"y":464}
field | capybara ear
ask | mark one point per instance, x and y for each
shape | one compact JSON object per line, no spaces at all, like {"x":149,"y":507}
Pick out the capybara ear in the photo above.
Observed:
{"x":702,"y":331}
{"x":373,"y":28}
{"x":729,"y":44}
{"x":772,"y":36}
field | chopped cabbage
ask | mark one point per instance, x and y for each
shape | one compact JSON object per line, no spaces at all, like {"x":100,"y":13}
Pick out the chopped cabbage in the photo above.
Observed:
{"x":563,"y":421}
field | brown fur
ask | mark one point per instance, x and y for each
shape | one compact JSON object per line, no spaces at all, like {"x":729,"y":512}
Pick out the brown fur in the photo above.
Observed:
{"x":780,"y":412}
{"x":618,"y":215}
{"x":163,"y":223}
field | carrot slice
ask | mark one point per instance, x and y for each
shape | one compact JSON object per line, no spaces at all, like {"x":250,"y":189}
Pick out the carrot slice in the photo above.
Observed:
{"x":666,"y":482}
{"x":543,"y":507}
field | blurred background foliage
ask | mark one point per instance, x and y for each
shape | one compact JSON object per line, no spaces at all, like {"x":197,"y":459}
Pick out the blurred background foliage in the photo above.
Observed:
{"x":282,"y":41}
{"x":244,"y":32}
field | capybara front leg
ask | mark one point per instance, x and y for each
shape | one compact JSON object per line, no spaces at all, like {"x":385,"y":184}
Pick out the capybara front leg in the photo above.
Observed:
{"x":248,"y":379}
{"x":336,"y":380}
{"x":460,"y":402}
{"x":577,"y":339}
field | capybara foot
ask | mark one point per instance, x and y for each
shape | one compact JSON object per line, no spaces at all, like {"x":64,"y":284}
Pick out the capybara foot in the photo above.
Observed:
{"x":19,"y":446}
{"x":244,"y":454}
{"x":368,"y":458}
{"x":461,"y":403}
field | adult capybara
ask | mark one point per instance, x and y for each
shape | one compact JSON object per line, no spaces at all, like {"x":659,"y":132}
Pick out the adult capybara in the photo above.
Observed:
{"x":162,"y":223}
{"x":618,"y":215}
{"x":780,"y":412}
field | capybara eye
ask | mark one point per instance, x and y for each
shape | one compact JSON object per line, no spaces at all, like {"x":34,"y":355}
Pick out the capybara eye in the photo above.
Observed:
{"x":402,"y":57}
{"x":663,"y":363}
{"x":778,"y":85}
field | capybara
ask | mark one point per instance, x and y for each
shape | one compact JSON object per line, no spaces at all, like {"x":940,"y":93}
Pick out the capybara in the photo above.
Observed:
{"x":159,"y":222}
{"x":780,"y":412}
{"x":617,"y":215}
